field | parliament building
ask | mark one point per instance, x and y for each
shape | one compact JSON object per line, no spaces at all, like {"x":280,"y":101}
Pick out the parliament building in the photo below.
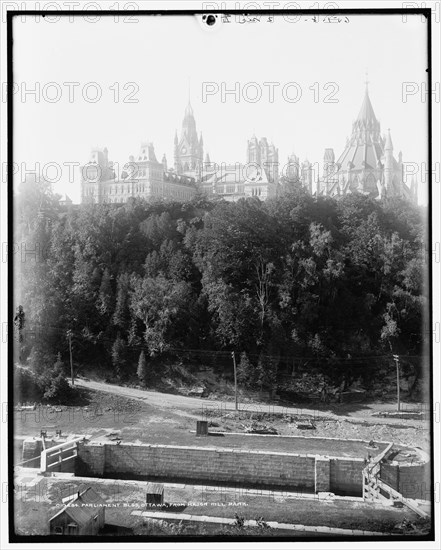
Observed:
{"x":367,"y":165}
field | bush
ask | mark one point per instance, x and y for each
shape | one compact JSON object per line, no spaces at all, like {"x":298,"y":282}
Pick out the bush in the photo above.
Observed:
{"x":46,"y":377}
{"x":58,"y":389}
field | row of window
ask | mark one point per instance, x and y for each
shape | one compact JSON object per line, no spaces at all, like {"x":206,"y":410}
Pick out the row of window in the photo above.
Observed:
{"x":143,"y":173}
{"x":141,"y":189}
{"x":229,"y":189}
{"x":120,"y":189}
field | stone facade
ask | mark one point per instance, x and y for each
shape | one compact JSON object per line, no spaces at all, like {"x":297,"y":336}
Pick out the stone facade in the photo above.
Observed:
{"x":367,"y":165}
{"x":142,"y":176}
{"x":145,"y":177}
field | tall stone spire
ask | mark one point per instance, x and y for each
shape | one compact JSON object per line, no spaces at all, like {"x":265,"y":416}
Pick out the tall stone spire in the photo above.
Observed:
{"x":189,"y":148}
{"x":366,"y":113}
{"x":189,"y":125}
{"x":366,"y":128}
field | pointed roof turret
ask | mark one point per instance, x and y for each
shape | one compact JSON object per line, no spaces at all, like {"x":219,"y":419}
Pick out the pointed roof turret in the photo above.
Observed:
{"x":366,"y":113}
{"x":388,"y":145}
{"x":366,"y":128}
{"x":189,"y":125}
{"x":188,"y":110}
{"x":293,"y":156}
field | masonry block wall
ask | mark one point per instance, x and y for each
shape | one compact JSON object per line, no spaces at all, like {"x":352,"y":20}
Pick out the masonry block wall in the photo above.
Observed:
{"x":31,"y":450}
{"x":322,"y":474}
{"x":412,"y":481}
{"x":289,"y":471}
{"x":90,"y":459}
{"x":346,"y":476}
{"x":196,"y":463}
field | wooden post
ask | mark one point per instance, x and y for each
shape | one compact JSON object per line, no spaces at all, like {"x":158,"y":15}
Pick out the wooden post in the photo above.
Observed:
{"x":70,"y":353}
{"x":397,"y":362}
{"x":235,"y":379}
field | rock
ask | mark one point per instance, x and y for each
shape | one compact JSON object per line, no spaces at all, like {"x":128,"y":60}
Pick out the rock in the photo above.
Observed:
{"x":306,"y":426}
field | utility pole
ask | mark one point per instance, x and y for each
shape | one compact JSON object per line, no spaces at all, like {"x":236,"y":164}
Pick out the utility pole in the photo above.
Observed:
{"x":235,"y":379}
{"x":69,"y":335}
{"x":397,"y":363}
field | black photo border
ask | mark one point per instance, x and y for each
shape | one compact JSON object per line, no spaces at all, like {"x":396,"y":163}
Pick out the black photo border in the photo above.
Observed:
{"x":13,"y":537}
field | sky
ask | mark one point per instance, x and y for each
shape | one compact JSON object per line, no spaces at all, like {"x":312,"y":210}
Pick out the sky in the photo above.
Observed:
{"x":144,"y":72}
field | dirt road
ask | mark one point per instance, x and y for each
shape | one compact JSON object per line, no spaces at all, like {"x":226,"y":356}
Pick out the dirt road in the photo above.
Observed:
{"x":361,"y":414}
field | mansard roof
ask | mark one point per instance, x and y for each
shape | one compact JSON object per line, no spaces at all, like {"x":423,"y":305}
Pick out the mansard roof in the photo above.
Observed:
{"x":146,"y":152}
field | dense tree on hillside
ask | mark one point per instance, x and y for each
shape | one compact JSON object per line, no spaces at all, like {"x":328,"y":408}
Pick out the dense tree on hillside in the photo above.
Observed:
{"x":245,"y":371}
{"x":296,"y":276}
{"x":119,"y":357}
{"x":142,"y":371}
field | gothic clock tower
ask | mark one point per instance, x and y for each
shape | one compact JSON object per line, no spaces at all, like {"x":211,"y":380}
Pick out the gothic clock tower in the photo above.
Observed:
{"x":189,"y":149}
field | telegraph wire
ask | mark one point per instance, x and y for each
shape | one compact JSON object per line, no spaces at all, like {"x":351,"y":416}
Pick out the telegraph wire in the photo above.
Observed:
{"x":219,"y":353}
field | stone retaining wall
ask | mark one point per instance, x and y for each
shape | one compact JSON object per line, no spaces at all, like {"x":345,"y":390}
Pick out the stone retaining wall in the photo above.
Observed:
{"x":411,"y":480}
{"x":307,"y":473}
{"x":346,"y":476}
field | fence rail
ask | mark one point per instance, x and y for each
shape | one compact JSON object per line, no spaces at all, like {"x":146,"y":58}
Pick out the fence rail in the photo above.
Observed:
{"x":376,"y":489}
{"x":58,"y":451}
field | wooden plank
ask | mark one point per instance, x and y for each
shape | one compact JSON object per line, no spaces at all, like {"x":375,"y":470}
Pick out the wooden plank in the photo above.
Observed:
{"x":377,"y":459}
{"x":410,"y":503}
{"x":62,"y":460}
